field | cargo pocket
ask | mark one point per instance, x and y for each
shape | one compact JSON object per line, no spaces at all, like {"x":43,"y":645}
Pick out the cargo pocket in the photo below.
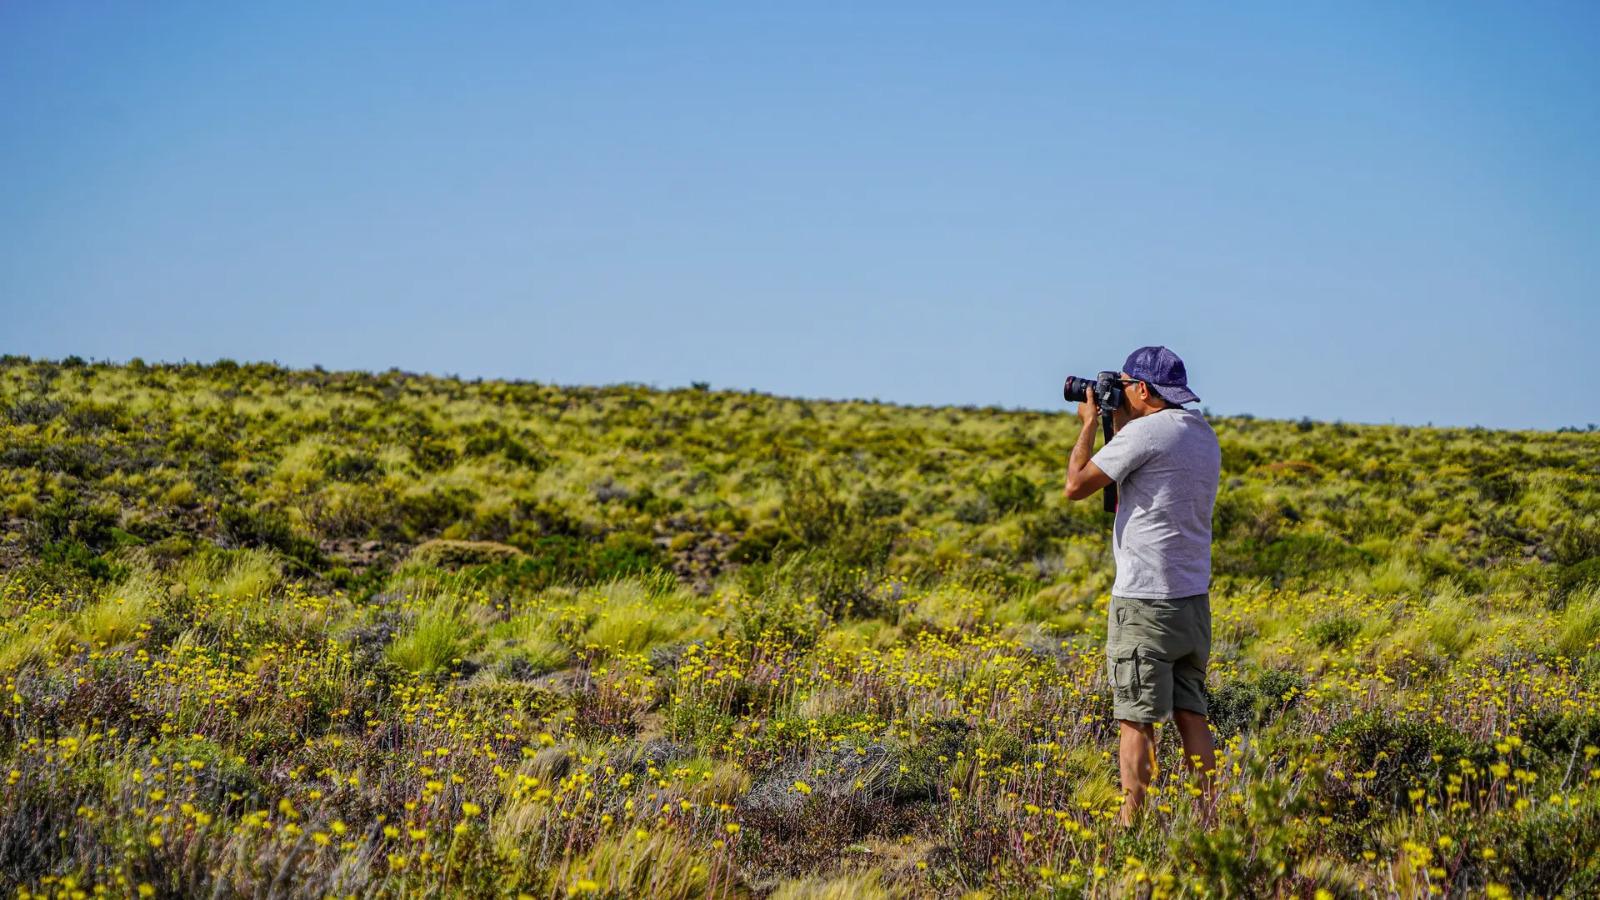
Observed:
{"x":1124,"y":674}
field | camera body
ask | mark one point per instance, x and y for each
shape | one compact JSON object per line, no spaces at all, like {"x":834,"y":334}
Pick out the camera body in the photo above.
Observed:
{"x":1107,"y":386}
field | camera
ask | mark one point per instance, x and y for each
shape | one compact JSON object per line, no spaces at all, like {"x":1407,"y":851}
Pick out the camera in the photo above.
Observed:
{"x":1108,"y":395}
{"x":1107,"y":390}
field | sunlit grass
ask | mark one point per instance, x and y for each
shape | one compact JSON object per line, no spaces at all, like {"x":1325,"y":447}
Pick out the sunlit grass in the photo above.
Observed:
{"x":492,"y":639}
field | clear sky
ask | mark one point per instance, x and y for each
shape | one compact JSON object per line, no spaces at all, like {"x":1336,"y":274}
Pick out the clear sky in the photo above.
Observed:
{"x":1369,"y":212}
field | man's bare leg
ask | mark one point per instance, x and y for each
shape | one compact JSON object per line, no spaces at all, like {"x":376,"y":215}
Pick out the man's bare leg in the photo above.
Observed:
{"x":1198,"y":750}
{"x":1136,"y":756}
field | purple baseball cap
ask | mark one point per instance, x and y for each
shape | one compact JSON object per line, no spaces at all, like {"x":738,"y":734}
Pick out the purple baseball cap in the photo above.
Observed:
{"x":1162,"y":370}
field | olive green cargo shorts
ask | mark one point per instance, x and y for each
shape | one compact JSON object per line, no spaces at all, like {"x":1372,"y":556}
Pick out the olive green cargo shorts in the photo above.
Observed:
{"x":1156,"y":655}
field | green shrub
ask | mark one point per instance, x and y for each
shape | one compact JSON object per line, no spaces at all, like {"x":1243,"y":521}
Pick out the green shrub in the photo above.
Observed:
{"x":975,"y":510}
{"x":550,"y":559}
{"x":1011,"y":493}
{"x":498,"y":441}
{"x":427,"y":513}
{"x":1253,"y":703}
{"x":1547,"y":852}
{"x":1576,"y":542}
{"x":1567,"y":580}
{"x":1257,"y":844}
{"x":1401,"y":753}
{"x":67,"y":520}
{"x":813,"y":508}
{"x":73,"y":557}
{"x":623,"y":553}
{"x":1559,"y":739}
{"x":881,"y":503}
{"x":561,"y":559}
{"x":270,"y":528}
{"x":1333,"y":631}
{"x":351,"y":466}
{"x":760,"y":542}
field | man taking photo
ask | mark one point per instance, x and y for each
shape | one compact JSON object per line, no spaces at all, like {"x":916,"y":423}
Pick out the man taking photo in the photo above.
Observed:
{"x":1166,"y":462}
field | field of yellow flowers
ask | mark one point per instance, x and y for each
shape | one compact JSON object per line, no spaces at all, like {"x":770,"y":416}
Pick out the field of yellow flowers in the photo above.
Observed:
{"x":276,"y":632}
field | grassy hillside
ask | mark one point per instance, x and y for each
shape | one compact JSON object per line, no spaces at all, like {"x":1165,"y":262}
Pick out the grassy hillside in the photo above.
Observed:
{"x":278,"y":631}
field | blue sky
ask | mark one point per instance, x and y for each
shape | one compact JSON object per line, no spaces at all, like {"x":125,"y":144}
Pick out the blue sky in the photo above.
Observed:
{"x":1369,"y":212}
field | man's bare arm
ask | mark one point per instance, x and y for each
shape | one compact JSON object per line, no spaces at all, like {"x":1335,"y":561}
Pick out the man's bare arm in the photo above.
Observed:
{"x":1083,"y":476}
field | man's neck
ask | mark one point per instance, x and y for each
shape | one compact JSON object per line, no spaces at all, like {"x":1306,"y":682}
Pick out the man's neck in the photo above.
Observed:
{"x":1151,"y":412}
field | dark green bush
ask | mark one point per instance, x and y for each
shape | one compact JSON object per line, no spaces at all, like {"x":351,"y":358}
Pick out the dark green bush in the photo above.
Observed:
{"x":93,"y":417}
{"x":432,"y":453}
{"x":496,"y":440}
{"x":351,"y":466}
{"x":563,"y":559}
{"x":1402,"y":753}
{"x":1575,"y":543}
{"x":622,"y":554}
{"x":1559,"y":739}
{"x":1497,"y":486}
{"x":1334,"y":631}
{"x":841,"y":588}
{"x":759,"y":543}
{"x":68,"y":517}
{"x":551,"y":559}
{"x":34,"y":411}
{"x":881,"y":503}
{"x":1252,"y":703}
{"x":1041,"y":529}
{"x":1548,"y":852}
{"x":1011,"y":493}
{"x":425,"y":515}
{"x":1255,"y":846}
{"x":1565,"y":580}
{"x":813,"y":508}
{"x":647,"y":501}
{"x":269,"y":528}
{"x":72,"y":556}
{"x":1288,"y":557}
{"x":975,"y":510}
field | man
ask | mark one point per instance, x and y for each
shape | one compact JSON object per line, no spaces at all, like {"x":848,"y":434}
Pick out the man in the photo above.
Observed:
{"x":1166,"y":461}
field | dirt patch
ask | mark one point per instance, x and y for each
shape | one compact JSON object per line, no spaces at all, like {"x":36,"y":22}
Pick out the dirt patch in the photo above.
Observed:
{"x":696,"y":557}
{"x":359,"y":556}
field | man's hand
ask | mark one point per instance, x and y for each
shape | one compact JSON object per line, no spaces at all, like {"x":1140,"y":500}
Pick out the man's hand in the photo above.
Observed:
{"x":1088,"y":410}
{"x":1083,"y":476}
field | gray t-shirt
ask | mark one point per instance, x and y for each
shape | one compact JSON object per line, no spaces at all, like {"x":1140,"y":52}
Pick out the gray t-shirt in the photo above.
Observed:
{"x":1166,"y":467}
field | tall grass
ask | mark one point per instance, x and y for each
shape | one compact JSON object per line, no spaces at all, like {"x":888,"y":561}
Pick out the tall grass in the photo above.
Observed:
{"x":1579,"y":631}
{"x":437,"y":638}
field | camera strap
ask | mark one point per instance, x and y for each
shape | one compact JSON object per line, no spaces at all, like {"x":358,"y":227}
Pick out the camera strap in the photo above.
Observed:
{"x":1111,"y":489}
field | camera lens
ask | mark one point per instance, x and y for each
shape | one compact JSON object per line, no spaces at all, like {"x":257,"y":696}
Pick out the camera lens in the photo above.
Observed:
{"x":1073,"y":390}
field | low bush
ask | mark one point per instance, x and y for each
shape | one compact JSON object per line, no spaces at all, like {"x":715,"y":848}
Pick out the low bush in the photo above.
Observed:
{"x":1250,"y":704}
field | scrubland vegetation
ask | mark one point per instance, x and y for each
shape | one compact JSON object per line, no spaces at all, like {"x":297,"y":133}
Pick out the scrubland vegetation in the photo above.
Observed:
{"x":270,"y":632}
